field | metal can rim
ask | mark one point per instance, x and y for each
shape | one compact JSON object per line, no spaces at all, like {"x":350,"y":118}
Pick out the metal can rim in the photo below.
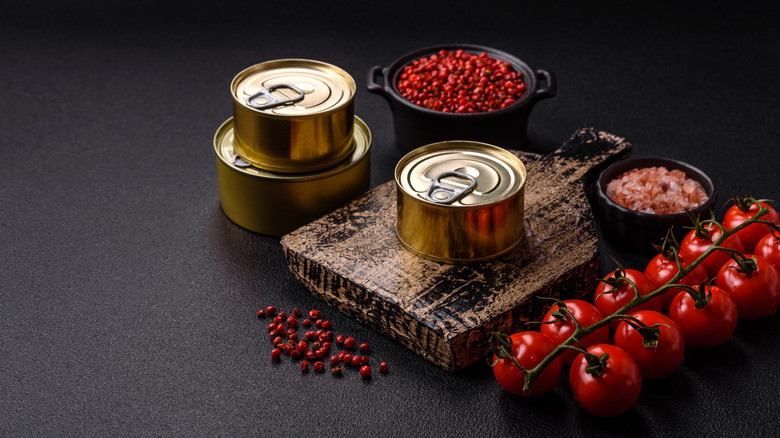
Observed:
{"x":349,"y":81}
{"x":361,"y":137}
{"x":444,"y":145}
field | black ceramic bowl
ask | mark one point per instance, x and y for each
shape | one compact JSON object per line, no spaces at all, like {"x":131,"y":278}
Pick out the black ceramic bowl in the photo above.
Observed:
{"x":636,"y":231}
{"x":416,"y":126}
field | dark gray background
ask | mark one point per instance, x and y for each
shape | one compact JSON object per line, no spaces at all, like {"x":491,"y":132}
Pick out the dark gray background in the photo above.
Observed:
{"x":128,"y":299}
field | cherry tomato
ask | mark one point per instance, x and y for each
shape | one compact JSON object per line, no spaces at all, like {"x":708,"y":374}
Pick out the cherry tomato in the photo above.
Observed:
{"x":559,"y":326}
{"x":710,"y":326}
{"x":740,"y":212}
{"x":757,"y":293}
{"x":694,"y":244}
{"x":528,"y":349}
{"x":609,"y":298}
{"x":661,"y":269}
{"x":612,"y":392}
{"x":664,"y":355}
{"x":768,"y":247}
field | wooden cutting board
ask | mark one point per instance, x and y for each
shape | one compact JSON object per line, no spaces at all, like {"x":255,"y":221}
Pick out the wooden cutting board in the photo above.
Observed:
{"x":352,"y":260}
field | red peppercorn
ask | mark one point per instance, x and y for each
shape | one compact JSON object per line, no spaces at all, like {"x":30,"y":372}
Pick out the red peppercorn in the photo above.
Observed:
{"x":277,"y":340}
{"x":318,"y":323}
{"x":309,"y":335}
{"x":456,"y":81}
{"x":319,"y":333}
{"x":280,"y":327}
{"x":271,"y":326}
{"x":302,"y":346}
{"x":326,"y":325}
{"x":310,"y":355}
{"x":305,"y":365}
{"x":335,"y":359}
{"x":323,"y":338}
{"x":273,"y":334}
{"x":286,"y":348}
{"x":261,"y":313}
{"x":293,"y":337}
{"x":364,"y":347}
{"x":365,"y":371}
{"x":340,"y":339}
{"x":341,"y":355}
{"x":277,"y":320}
{"x":319,"y":353}
{"x":383,"y":367}
{"x":295,"y":354}
{"x":314,"y":314}
{"x":297,"y":312}
{"x":290,"y":332}
{"x":326,"y":345}
{"x":364,"y":360}
{"x":356,"y":360}
{"x":271,"y":310}
{"x":306,"y":322}
{"x":336,"y":370}
{"x":319,"y":366}
{"x":282,"y":315}
{"x":292,"y":322}
{"x":350,"y":342}
{"x":276,"y":354}
{"x":347,"y":358}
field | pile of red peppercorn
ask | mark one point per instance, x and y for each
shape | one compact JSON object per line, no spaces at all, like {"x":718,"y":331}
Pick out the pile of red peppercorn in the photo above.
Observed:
{"x":317,"y":343}
{"x":461,"y":82}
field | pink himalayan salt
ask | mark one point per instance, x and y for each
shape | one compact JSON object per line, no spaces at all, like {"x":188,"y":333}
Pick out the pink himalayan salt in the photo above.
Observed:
{"x":656,"y":190}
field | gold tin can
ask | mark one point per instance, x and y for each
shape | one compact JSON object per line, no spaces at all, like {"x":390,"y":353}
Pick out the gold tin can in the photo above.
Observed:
{"x":460,"y":201}
{"x":293,"y":115}
{"x":276,"y":203}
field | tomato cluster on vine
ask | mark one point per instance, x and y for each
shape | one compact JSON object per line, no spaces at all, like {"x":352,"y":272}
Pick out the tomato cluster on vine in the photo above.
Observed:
{"x":640,"y":321}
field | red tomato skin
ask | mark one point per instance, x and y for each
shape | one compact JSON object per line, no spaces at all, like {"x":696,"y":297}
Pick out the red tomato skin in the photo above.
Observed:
{"x":658,"y":362}
{"x":608,"y":303}
{"x":757,"y":295}
{"x":660,"y":270}
{"x":768,"y":247}
{"x":615,"y":391}
{"x":528,"y":348}
{"x":693,"y":246}
{"x":753,"y":232}
{"x":710,"y":326}
{"x":586,"y":314}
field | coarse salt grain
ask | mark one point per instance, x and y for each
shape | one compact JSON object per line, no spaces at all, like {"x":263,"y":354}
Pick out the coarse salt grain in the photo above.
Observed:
{"x":656,"y":190}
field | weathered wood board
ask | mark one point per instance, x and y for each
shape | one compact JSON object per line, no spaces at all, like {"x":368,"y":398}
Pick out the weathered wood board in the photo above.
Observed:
{"x":351,"y":259}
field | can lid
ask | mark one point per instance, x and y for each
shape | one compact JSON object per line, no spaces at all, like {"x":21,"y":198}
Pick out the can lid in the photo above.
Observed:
{"x":224,"y":145}
{"x":460,"y":173}
{"x":293,"y":87}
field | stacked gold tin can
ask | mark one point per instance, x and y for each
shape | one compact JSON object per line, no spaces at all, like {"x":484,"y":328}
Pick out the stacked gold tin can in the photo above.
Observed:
{"x":293,"y":150}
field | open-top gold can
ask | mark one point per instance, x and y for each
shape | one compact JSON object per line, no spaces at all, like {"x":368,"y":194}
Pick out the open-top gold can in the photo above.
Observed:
{"x":460,"y":201}
{"x":293,"y":115}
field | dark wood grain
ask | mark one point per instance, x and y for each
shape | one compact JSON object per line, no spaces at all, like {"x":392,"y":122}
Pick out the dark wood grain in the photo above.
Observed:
{"x":351,"y":259}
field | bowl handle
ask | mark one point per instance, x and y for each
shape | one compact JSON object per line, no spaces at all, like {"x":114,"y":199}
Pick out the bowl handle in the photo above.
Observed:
{"x":373,"y":85}
{"x":551,"y":89}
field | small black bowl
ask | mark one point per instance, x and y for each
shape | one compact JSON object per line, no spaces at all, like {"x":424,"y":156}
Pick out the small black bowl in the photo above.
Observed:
{"x":416,"y":126}
{"x":637,"y":231}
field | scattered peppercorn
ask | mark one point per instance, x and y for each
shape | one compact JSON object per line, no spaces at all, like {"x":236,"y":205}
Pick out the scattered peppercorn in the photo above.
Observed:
{"x":305,"y":365}
{"x":314,"y":314}
{"x":364,"y":347}
{"x":356,"y":360}
{"x":319,"y":366}
{"x":350,"y":342}
{"x":261,"y":313}
{"x":383,"y":367}
{"x":276,"y":354}
{"x":365,"y":371}
{"x":271,"y":310}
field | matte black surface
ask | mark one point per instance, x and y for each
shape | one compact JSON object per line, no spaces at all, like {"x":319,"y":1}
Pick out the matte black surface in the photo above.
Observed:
{"x":128,"y":299}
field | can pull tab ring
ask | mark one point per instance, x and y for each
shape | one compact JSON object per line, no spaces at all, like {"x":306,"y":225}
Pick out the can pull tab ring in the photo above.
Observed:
{"x":441,"y":194}
{"x":268,"y":100}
